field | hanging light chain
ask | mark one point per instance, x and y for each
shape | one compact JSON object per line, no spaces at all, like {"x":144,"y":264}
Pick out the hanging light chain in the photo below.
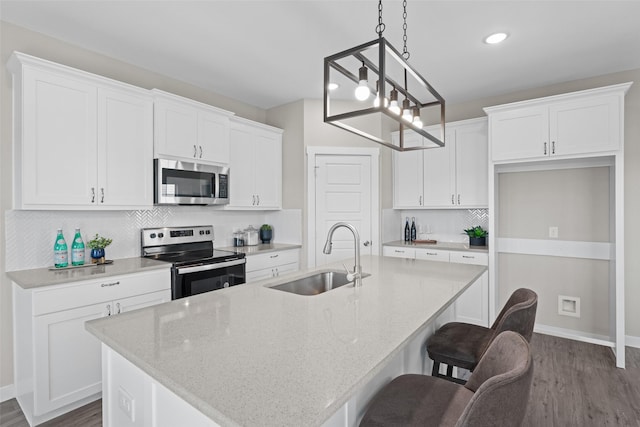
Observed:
{"x":405,"y":52}
{"x":380,"y":26}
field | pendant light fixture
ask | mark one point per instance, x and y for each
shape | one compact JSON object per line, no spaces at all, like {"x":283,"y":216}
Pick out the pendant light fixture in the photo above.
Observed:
{"x":350,"y":109}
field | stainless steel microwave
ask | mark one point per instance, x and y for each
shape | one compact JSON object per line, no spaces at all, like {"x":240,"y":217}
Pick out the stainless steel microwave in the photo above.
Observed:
{"x":185,"y":183}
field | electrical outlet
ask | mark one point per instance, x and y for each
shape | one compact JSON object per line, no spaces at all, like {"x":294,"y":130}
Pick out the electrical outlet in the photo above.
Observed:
{"x":126,"y":403}
{"x":568,"y":306}
{"x":553,"y":232}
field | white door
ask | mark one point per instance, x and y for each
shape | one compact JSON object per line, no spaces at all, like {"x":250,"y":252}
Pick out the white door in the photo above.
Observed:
{"x":343,"y":193}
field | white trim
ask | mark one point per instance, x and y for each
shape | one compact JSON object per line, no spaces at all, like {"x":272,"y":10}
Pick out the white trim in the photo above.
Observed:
{"x":575,"y":335}
{"x":633,"y":341}
{"x":312,"y":152}
{"x":558,"y":248}
{"x":7,"y":392}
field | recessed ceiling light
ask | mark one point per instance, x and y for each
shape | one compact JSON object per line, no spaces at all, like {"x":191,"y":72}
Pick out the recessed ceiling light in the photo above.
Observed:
{"x":333,"y":86}
{"x":495,"y":38}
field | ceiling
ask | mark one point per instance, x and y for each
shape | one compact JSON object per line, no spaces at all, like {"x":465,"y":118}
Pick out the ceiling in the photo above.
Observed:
{"x":268,"y":53}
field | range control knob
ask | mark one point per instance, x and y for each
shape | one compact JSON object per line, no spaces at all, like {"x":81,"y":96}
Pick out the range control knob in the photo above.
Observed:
{"x":152,"y":235}
{"x":201,"y":232}
{"x":160,"y":235}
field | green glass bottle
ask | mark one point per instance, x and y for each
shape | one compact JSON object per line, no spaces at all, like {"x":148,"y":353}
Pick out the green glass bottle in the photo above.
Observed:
{"x":77,"y":249}
{"x":60,"y":255}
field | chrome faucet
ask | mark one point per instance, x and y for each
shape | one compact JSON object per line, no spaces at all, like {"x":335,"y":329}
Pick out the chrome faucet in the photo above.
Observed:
{"x":357,"y":268}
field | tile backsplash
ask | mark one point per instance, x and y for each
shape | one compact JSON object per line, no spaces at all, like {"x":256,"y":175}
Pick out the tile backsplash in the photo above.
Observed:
{"x":30,"y":234}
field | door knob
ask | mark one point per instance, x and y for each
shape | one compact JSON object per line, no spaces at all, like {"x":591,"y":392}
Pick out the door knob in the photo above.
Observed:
{"x":366,"y":243}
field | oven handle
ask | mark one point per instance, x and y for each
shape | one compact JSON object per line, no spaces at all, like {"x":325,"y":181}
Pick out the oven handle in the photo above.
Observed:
{"x":186,"y":270}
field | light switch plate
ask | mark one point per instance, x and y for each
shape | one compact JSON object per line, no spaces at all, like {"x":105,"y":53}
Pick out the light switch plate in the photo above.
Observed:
{"x":553,"y":232}
{"x":126,"y":403}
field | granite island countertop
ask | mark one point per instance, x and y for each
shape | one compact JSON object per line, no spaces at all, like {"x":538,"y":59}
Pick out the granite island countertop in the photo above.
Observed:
{"x":39,"y":277}
{"x":261,"y":248}
{"x":449,"y":246}
{"x":250,"y":355}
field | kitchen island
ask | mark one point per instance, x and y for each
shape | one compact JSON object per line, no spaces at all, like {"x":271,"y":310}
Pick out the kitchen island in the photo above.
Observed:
{"x":250,"y":355}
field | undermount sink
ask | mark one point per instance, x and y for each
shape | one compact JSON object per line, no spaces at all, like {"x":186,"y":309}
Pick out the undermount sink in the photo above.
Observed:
{"x":316,"y":283}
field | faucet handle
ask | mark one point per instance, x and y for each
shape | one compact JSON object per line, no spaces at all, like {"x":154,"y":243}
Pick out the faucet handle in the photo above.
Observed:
{"x":351,"y":275}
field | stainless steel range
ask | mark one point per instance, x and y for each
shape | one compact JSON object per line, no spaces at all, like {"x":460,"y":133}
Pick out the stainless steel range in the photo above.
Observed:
{"x":197,"y":266}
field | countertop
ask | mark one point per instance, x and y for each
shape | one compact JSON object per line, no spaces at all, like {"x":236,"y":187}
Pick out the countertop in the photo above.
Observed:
{"x":249,"y":355}
{"x":450,"y":246}
{"x":39,"y":277}
{"x":261,"y":248}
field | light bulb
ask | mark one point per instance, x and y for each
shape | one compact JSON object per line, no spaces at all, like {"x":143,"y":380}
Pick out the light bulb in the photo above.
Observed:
{"x":416,"y":118}
{"x":393,"y":105}
{"x":376,"y":101}
{"x":407,"y":114}
{"x":362,"y":91}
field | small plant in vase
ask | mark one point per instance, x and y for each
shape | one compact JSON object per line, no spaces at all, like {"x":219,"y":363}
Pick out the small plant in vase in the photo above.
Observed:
{"x":477,"y":236}
{"x":97,"y":245}
{"x":266,"y":233}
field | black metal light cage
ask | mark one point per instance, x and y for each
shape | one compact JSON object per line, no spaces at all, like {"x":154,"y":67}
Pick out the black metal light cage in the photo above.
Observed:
{"x":357,"y":56}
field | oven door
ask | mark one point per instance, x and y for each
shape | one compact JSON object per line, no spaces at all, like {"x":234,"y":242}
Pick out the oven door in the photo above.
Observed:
{"x":193,"y":280}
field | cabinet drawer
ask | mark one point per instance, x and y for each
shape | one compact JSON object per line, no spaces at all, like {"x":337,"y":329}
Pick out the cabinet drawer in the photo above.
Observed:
{"x":397,"y":252}
{"x":470,"y":258}
{"x":432,"y":255}
{"x":78,"y":294}
{"x":272,"y":259}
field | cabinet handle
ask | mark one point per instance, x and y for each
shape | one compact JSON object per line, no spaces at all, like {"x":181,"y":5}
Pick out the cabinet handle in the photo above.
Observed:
{"x":432,"y":253}
{"x":104,"y":285}
{"x":452,"y":199}
{"x":420,"y":200}
{"x":277,"y":272}
{"x":258,"y":197}
{"x":101,"y":194}
{"x":553,"y":147}
{"x":545,"y":148}
{"x":118,"y":311}
{"x":108,"y":309}
{"x":195,"y":151}
{"x":458,"y":199}
{"x":274,"y":256}
{"x":254,"y":200}
{"x":398,"y":252}
{"x":200,"y":151}
{"x":93,"y":194}
{"x":469,"y":257}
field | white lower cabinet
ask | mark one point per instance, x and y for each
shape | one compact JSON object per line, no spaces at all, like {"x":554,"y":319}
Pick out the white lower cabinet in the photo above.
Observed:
{"x":57,"y":362}
{"x":473,"y":305}
{"x":272,"y":264}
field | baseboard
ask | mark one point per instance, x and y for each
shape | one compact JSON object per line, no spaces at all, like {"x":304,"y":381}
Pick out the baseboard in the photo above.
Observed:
{"x":631,"y":341}
{"x":7,"y":392}
{"x":574,"y":335}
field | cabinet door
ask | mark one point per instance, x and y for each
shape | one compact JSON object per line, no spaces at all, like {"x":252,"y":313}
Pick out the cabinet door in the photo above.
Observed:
{"x":176,"y":130}
{"x":472,"y":163}
{"x":473,"y":305}
{"x":125,"y":149}
{"x":141,"y":301}
{"x":67,"y":358}
{"x":268,"y":170}
{"x":241,"y":168}
{"x":439,"y":174}
{"x":407,"y":175}
{"x":585,"y":126}
{"x":520,"y":134}
{"x":213,"y":138}
{"x":58,"y":155}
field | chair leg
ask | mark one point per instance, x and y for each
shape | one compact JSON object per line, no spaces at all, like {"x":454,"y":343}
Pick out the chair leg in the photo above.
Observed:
{"x":435,"y":371}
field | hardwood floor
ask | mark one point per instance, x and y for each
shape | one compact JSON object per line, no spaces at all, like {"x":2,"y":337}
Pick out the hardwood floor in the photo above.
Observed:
{"x":575,"y":384}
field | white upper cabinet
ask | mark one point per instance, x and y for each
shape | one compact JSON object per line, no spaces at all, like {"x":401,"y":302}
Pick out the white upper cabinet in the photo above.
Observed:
{"x":189,"y":130}
{"x":453,"y":176}
{"x":81,"y":141}
{"x":563,"y":126}
{"x":255,"y":165}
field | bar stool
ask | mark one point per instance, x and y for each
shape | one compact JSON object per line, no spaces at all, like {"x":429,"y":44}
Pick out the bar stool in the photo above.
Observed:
{"x":463,"y":344}
{"x":496,"y":394}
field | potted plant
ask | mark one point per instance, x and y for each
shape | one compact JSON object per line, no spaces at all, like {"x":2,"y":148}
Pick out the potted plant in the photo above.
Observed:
{"x":97,"y":245}
{"x":477,"y":236}
{"x":266,"y":233}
